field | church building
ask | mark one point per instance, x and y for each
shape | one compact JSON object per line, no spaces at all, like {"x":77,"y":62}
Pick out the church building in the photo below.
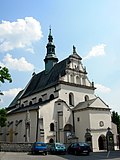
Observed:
{"x":59,"y":105}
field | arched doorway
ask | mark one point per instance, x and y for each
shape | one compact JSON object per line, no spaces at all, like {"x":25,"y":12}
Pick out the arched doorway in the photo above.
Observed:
{"x":102,"y":142}
{"x":51,"y":140}
{"x":68,"y":130}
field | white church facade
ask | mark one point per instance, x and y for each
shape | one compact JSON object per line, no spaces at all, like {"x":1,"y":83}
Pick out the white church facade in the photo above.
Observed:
{"x":59,"y":104}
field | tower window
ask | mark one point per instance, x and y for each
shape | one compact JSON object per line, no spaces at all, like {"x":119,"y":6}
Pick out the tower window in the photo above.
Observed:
{"x":49,"y":49}
{"x":83,"y":81}
{"x":71,"y":99}
{"x":52,"y":127}
{"x":71,"y":78}
{"x":77,"y":80}
{"x":52,"y":49}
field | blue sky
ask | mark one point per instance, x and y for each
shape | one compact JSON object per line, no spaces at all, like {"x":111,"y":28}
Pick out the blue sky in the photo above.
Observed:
{"x":92,"y":26}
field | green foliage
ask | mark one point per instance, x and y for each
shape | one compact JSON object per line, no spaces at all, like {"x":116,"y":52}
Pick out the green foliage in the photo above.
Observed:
{"x":116,"y":120}
{"x":4,"y":74}
{"x":3,"y":117}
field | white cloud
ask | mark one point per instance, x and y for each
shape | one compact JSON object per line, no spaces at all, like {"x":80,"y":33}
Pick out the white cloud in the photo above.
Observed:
{"x":98,"y":50}
{"x":11,"y":92}
{"x":5,"y":99}
{"x":19,"y":34}
{"x":102,"y":89}
{"x":17,"y":64}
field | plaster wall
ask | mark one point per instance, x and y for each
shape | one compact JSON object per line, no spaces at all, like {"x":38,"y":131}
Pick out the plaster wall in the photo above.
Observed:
{"x":18,"y":132}
{"x":79,"y":93}
{"x":82,"y":124}
{"x":97,"y":116}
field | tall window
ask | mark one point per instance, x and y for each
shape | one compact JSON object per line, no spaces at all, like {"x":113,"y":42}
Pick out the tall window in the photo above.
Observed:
{"x":40,"y":99}
{"x":84,"y":81}
{"x":30,"y":103}
{"x":71,"y":78}
{"x":86,"y":97}
{"x":52,"y":127}
{"x":71,"y":99}
{"x":77,"y":80}
{"x":51,"y":97}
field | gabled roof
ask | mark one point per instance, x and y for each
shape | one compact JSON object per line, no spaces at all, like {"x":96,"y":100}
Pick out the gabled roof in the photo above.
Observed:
{"x":45,"y":80}
{"x":76,"y":56}
{"x":62,"y":101}
{"x":95,"y":103}
{"x":42,"y":81}
{"x":13,"y":103}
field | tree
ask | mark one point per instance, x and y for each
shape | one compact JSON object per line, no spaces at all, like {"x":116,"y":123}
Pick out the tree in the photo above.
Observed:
{"x":116,"y":120}
{"x":4,"y":75}
{"x":3,"y":117}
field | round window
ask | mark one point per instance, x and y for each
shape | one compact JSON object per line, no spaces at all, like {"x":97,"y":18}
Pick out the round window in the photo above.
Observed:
{"x":101,"y":123}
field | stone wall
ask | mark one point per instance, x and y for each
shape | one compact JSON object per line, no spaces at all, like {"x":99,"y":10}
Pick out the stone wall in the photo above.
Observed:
{"x":15,"y":147}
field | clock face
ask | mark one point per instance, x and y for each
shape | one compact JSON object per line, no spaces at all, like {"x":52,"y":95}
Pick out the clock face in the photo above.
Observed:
{"x":101,"y":123}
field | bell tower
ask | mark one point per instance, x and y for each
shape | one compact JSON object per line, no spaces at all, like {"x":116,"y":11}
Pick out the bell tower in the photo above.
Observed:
{"x":50,"y":58}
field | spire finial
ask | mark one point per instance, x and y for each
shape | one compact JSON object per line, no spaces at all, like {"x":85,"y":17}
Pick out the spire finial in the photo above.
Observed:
{"x":50,"y":38}
{"x":50,"y":30}
{"x":74,"y":49}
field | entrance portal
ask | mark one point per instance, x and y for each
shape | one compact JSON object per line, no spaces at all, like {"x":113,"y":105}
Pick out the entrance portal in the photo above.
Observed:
{"x":68,"y":130}
{"x":102,"y":142}
{"x":51,"y":141}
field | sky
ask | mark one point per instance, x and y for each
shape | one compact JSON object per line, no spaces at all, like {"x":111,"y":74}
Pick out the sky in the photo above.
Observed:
{"x":92,"y":26}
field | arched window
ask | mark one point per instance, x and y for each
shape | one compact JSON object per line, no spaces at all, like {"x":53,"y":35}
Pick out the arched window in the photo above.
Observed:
{"x":51,"y":97}
{"x":22,"y":105}
{"x":52,"y":127}
{"x":84,"y":81}
{"x":77,"y":80}
{"x":71,"y":78}
{"x":86,"y":97}
{"x":71,"y":99}
{"x":40,"y":99}
{"x":30,"y":103}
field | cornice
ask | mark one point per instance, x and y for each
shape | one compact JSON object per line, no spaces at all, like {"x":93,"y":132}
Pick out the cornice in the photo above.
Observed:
{"x":92,"y":108}
{"x":77,"y":85}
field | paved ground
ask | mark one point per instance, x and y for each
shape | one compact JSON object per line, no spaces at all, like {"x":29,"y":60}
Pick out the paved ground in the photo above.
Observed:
{"x":114,"y":155}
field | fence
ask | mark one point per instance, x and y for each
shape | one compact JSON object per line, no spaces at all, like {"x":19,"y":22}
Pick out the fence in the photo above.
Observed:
{"x":15,"y":147}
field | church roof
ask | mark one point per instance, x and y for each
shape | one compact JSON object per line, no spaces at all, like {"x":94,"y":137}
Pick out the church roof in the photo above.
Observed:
{"x":42,"y":81}
{"x":84,"y":104}
{"x":45,"y":80}
{"x":96,"y":103}
{"x":13,"y":103}
{"x":29,"y":107}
